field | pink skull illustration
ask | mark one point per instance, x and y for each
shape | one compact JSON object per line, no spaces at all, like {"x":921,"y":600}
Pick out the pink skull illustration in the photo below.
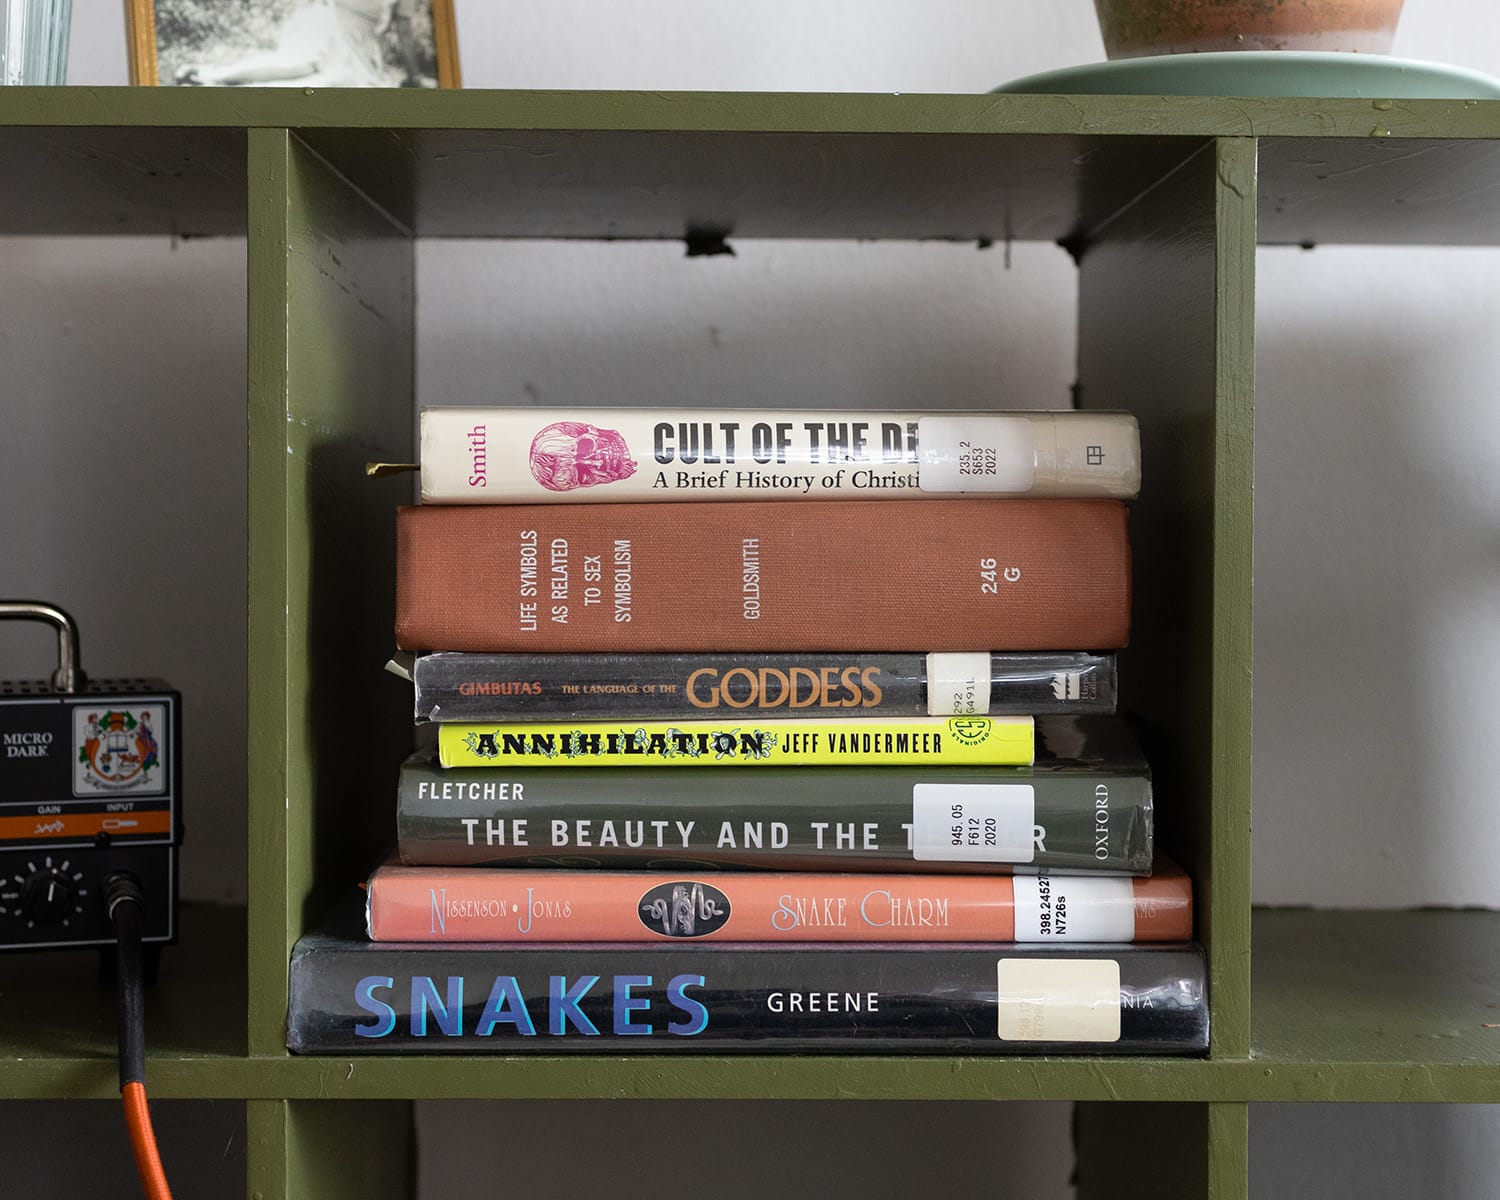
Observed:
{"x":571,"y":454}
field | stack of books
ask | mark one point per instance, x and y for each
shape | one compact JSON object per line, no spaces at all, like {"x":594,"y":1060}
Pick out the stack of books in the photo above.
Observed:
{"x":791,"y":762}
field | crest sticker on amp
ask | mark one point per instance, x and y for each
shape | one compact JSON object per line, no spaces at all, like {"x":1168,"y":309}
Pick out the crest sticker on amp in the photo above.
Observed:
{"x":120,"y":749}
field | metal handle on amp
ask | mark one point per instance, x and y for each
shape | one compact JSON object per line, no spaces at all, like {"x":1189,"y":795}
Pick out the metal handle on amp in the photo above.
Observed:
{"x":69,"y":676}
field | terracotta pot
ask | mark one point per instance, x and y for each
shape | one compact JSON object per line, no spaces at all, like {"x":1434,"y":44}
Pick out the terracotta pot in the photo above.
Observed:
{"x":1133,"y":28}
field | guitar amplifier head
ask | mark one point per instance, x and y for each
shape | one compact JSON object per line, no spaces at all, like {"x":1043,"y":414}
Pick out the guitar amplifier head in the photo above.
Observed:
{"x":90,"y":772}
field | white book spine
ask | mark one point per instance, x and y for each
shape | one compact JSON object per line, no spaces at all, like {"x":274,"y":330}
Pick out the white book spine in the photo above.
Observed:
{"x":603,"y":455}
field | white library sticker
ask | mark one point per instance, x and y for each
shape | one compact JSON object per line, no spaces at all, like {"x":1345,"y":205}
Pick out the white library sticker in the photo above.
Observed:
{"x":1058,"y":1000}
{"x":958,"y":684}
{"x":1074,"y":908}
{"x":976,"y":454}
{"x":973,"y":822}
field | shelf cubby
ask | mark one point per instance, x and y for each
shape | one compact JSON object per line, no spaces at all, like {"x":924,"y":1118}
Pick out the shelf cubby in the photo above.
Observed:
{"x":1161,"y":202}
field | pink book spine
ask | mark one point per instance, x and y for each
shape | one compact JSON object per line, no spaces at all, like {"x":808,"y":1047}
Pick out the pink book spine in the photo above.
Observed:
{"x":458,"y":904}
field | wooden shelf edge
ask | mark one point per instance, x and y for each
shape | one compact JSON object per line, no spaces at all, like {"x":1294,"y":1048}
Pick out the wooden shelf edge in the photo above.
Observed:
{"x":813,"y":112}
{"x":730,"y":1077}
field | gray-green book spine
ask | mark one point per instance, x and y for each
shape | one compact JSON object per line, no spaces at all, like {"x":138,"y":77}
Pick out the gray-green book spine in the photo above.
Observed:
{"x":1084,"y":806}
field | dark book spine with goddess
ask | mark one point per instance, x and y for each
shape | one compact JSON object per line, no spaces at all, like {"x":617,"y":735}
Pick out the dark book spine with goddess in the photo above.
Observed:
{"x":451,"y":686}
{"x":914,"y":575}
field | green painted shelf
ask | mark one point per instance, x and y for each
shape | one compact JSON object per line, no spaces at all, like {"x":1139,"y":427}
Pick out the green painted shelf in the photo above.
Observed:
{"x":1162,"y":202}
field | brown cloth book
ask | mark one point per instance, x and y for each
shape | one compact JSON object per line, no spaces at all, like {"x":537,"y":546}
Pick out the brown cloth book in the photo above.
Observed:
{"x":962,"y":574}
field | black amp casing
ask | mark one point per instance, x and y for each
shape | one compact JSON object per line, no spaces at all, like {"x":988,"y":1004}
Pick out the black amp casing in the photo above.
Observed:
{"x":89,"y":785}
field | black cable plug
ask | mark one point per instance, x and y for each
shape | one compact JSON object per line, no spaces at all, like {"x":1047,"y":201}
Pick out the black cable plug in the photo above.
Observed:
{"x":126,"y":905}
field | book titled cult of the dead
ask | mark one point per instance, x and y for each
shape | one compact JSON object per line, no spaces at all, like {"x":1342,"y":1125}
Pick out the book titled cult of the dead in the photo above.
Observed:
{"x":1084,"y":805}
{"x":602,"y":455}
{"x":353,"y":996}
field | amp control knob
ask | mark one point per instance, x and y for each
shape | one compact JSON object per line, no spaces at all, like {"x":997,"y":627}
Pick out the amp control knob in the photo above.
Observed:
{"x":51,"y":894}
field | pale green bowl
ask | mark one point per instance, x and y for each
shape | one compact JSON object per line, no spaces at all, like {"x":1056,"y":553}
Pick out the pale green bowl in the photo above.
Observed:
{"x":1265,"y":73}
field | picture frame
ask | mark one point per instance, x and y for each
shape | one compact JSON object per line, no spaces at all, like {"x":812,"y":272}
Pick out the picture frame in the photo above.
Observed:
{"x":293,"y":43}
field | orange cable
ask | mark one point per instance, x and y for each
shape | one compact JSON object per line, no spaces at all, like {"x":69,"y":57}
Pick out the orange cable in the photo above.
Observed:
{"x":143,"y":1142}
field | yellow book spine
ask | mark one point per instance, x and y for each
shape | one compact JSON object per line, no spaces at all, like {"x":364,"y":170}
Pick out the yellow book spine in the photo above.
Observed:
{"x":922,"y":741}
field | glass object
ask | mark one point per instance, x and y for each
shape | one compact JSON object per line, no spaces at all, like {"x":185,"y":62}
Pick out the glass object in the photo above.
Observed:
{"x":34,"y":40}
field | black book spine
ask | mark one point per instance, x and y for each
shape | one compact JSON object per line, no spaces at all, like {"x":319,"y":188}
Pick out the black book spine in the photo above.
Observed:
{"x":942,"y":819}
{"x":518,"y":687}
{"x":355,"y":997}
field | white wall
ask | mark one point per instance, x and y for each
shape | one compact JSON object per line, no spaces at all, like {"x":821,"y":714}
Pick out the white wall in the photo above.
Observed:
{"x":1377,"y":509}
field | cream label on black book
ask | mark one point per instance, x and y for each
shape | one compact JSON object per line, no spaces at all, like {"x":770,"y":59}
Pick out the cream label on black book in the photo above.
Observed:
{"x":1058,"y":1000}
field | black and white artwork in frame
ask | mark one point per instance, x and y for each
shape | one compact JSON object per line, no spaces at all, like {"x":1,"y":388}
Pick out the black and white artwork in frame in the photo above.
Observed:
{"x":294,"y":43}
